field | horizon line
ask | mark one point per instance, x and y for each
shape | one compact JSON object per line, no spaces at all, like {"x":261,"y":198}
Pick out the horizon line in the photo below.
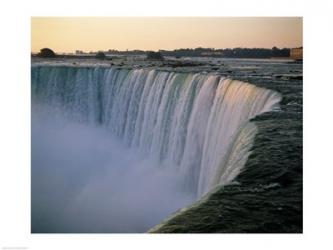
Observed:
{"x":193,"y":48}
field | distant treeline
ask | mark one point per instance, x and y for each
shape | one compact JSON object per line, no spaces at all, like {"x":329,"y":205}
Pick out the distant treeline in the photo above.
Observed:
{"x":197,"y":52}
{"x":229,"y":53}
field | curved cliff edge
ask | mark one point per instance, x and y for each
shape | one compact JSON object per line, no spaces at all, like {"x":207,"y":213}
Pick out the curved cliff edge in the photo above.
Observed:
{"x":266,"y":197}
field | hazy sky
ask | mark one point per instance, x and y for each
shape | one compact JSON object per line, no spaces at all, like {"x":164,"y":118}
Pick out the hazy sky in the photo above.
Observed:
{"x":67,"y":34}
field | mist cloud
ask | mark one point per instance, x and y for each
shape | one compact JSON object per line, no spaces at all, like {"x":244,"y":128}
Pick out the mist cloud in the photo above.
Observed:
{"x":85,"y":180}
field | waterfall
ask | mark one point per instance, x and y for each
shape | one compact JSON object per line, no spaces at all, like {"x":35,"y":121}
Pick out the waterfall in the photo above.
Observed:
{"x":196,"y":124}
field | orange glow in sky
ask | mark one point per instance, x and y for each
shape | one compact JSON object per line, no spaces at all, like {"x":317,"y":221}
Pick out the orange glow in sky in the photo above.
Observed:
{"x":67,"y":34}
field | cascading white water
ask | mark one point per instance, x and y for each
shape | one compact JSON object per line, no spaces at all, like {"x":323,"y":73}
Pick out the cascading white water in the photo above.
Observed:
{"x":195,"y":124}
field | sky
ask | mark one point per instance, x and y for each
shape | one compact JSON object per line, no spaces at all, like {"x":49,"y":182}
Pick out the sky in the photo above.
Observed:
{"x":67,"y":34}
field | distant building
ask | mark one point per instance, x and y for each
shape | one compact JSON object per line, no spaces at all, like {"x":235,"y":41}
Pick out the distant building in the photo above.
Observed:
{"x":296,"y":53}
{"x":212,"y":53}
